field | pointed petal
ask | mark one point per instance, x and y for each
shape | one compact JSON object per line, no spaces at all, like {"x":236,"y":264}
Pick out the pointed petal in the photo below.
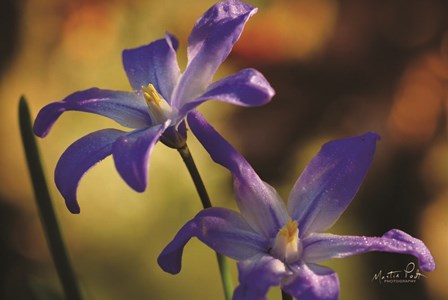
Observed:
{"x":319,"y":247}
{"x":123,"y":107}
{"x":78,"y":158}
{"x":131,"y":154}
{"x":155,"y":63}
{"x":330,"y":181}
{"x":258,"y":202}
{"x":312,"y":282}
{"x":223,"y":230}
{"x":257,"y":275}
{"x":210,"y":42}
{"x":245,"y":88}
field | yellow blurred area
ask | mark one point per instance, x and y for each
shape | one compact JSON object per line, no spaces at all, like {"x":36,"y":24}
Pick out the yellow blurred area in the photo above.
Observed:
{"x":434,"y":218}
{"x":339,"y":68}
{"x":435,"y":231}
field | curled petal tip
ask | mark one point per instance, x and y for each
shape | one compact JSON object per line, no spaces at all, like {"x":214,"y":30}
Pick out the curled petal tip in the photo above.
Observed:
{"x":367,"y":137}
{"x":73,"y":207}
{"x":170,"y":260}
{"x":416,"y":248}
{"x":140,"y":189}
{"x":46,"y":118}
{"x":372,"y":135}
{"x":170,"y":263}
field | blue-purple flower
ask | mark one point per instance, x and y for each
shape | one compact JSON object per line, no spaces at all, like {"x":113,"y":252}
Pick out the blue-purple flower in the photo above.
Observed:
{"x":277,"y":244}
{"x":161,"y":98}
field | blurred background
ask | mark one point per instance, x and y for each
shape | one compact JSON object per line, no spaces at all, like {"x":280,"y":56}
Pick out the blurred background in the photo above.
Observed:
{"x":340,"y":68}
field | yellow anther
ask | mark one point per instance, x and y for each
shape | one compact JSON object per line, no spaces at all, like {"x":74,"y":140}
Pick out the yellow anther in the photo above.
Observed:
{"x":158,"y":108}
{"x":290,"y":230}
{"x":287,"y":245}
{"x":151,"y":95}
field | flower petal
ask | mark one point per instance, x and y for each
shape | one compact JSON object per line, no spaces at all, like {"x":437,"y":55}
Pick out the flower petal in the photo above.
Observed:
{"x":330,"y":181}
{"x":223,"y":230}
{"x":245,"y":88}
{"x":258,"y":202}
{"x":155,"y":63}
{"x":312,"y":282}
{"x":257,"y":275}
{"x":319,"y":247}
{"x":210,"y":42}
{"x":123,"y":107}
{"x":78,"y":158}
{"x":131,"y":153}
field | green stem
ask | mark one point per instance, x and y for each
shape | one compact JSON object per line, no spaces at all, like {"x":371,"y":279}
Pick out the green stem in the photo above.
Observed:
{"x":44,"y":205}
{"x":224,"y":270}
{"x":226,"y":277}
{"x":286,"y":296}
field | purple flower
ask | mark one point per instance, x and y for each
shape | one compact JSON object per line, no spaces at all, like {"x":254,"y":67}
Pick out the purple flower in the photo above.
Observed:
{"x":276,"y":244}
{"x":161,"y":98}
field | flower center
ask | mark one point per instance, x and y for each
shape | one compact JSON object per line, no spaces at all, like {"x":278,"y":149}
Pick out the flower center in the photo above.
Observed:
{"x":287,"y":245}
{"x":159,"y":110}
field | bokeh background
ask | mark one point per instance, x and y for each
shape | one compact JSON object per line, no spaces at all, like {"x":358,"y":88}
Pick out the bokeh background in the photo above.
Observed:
{"x":340,"y":68}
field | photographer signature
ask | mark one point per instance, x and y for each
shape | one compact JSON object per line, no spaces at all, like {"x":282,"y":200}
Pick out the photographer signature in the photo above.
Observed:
{"x":410,"y":274}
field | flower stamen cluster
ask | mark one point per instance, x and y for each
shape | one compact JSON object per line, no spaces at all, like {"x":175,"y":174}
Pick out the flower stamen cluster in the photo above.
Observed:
{"x":159,"y":110}
{"x":287,"y":244}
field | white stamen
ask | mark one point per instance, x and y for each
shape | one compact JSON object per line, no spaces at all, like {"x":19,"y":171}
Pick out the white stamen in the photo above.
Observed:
{"x":286,"y":246}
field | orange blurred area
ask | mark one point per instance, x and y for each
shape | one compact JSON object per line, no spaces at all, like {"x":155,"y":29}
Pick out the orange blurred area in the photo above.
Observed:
{"x":339,"y":68}
{"x":272,"y":36}
{"x":89,"y":32}
{"x":417,"y":106}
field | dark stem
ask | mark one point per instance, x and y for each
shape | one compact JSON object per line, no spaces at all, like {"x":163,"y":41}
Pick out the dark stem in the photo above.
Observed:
{"x":286,"y":296}
{"x":224,"y":270}
{"x":191,"y":166}
{"x":44,"y":205}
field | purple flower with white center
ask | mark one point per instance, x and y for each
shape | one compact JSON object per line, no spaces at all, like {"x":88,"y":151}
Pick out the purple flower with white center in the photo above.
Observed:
{"x":276,"y":244}
{"x":162,"y":96}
